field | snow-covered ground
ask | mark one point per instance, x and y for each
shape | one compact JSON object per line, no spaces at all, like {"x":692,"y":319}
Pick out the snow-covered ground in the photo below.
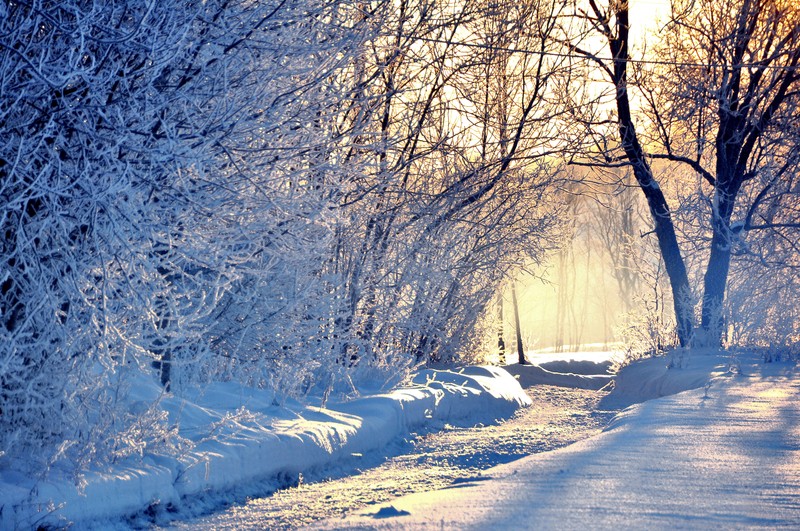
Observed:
{"x":725,"y":455}
{"x":240,"y":436}
{"x":430,"y":459}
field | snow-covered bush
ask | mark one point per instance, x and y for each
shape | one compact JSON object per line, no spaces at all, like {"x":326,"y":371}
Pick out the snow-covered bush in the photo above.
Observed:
{"x":77,"y":245}
{"x":159,"y":161}
{"x":761,"y":309}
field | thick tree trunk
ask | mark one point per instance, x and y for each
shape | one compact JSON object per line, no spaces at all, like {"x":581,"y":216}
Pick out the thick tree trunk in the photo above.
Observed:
{"x":714,"y":284}
{"x":719,"y":260}
{"x":659,"y":209}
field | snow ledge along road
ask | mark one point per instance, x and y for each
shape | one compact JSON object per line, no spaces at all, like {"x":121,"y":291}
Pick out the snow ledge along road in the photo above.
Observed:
{"x":265,"y":442}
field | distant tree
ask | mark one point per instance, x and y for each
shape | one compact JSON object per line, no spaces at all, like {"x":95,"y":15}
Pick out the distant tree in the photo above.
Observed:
{"x":615,"y":224}
{"x":517,"y":327}
{"x":501,"y":342}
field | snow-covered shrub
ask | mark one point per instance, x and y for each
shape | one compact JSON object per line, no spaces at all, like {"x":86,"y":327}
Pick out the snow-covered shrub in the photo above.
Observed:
{"x":159,"y":159}
{"x":75,"y":234}
{"x":428,"y":228}
{"x":646,"y":331}
{"x":761,"y":309}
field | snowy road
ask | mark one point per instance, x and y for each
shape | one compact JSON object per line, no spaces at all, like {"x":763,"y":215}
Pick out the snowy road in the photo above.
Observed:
{"x":722,"y":457}
{"x":558,"y":417}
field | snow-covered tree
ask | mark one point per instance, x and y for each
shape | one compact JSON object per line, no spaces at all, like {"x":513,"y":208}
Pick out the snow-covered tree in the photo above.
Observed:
{"x":720,"y":97}
{"x":161,"y":161}
{"x":459,"y":178}
{"x":286,"y":194}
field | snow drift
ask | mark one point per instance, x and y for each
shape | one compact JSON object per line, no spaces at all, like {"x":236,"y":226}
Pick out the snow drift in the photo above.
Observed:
{"x":529,"y":375}
{"x":237,"y":436}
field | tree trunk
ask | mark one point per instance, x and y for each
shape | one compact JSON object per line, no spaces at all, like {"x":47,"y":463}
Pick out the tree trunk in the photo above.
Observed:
{"x":520,"y":349}
{"x":719,"y":260}
{"x":501,"y":343}
{"x":714,"y":283}
{"x":676,"y":271}
{"x":659,"y":209}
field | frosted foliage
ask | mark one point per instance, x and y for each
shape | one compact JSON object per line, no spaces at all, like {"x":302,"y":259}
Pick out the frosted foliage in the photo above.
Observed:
{"x":193,"y":192}
{"x":761,"y":309}
{"x":447,"y":208}
{"x":130,"y":218}
{"x":74,"y":209}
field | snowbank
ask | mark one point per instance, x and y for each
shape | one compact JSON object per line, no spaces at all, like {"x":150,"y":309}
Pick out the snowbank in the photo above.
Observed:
{"x":725,"y":456}
{"x":240,"y":436}
{"x":585,"y":367}
{"x":529,"y":375}
{"x":680,"y":370}
{"x":580,"y":369}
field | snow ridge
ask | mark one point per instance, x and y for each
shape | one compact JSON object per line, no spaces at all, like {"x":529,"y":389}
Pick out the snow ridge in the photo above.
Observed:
{"x":258,"y":441}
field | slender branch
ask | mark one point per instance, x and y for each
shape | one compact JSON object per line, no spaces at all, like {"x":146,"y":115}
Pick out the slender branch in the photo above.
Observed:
{"x":696,"y":166}
{"x":749,"y":227}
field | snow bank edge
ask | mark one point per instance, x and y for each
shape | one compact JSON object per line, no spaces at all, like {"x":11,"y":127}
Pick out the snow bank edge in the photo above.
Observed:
{"x":264,"y":449}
